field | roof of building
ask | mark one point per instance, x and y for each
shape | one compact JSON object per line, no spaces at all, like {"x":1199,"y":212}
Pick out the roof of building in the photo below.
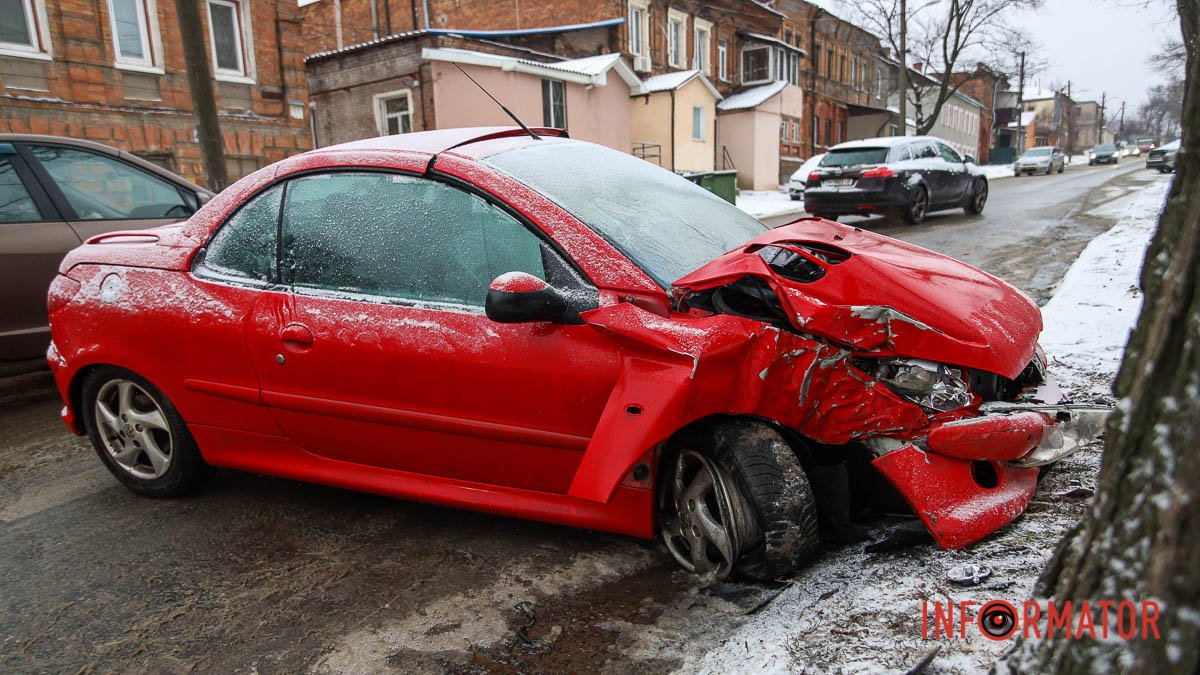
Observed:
{"x":591,"y":70}
{"x":751,"y":98}
{"x":675,"y":80}
{"x":399,"y":37}
{"x":1037,"y":94}
{"x":773,"y":40}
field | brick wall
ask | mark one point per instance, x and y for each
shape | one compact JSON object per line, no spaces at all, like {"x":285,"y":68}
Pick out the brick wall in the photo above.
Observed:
{"x":81,"y":93}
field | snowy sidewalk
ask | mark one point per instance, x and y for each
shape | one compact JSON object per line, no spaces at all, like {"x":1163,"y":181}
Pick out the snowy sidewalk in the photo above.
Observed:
{"x":852,"y":611}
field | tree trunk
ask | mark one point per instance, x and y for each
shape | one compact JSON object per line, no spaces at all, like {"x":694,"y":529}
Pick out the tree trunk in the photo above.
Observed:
{"x":204,"y":102}
{"x":1135,"y":543}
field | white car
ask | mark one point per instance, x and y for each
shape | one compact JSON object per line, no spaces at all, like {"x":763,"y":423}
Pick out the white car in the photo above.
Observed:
{"x":800,"y":177}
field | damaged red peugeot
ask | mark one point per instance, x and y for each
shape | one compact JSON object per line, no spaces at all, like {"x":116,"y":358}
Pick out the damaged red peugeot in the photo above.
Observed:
{"x":544,"y":328}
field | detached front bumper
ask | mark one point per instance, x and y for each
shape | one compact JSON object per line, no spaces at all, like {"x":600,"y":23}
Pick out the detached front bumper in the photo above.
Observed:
{"x":970,"y":477}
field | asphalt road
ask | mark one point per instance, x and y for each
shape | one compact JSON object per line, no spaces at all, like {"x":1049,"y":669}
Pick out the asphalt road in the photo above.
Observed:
{"x":256,"y":574}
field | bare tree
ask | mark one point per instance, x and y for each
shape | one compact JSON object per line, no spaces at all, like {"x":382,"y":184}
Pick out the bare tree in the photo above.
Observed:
{"x":1137,"y":541}
{"x":943,"y":35}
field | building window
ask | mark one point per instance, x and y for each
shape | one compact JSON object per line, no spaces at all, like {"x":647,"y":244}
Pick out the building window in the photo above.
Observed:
{"x":816,"y":58}
{"x":862,"y":77}
{"x":639,"y":19}
{"x":793,"y":74}
{"x":676,"y":38}
{"x":554,"y":104}
{"x":828,"y":132}
{"x":226,"y":26}
{"x":723,"y":60}
{"x":841,"y":132}
{"x":393,"y":112}
{"x":854,"y":71}
{"x":796,"y":130}
{"x":23,"y":27}
{"x":829,"y":64}
{"x":756,"y":65}
{"x":895,"y":130}
{"x":783,"y":131}
{"x":702,"y":46}
{"x":698,"y":115}
{"x":131,"y":22}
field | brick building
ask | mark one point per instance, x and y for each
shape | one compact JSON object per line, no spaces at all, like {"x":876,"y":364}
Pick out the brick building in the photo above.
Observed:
{"x":985,"y":86}
{"x":113,"y":71}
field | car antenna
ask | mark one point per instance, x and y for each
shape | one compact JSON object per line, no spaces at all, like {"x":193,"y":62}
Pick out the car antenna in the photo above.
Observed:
{"x":506,"y":110}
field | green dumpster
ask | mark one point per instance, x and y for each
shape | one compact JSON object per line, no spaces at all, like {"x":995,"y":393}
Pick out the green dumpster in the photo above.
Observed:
{"x":721,"y":183}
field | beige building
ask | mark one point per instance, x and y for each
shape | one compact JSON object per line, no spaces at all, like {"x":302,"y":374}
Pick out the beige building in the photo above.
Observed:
{"x":750,"y":125}
{"x":674,"y":121}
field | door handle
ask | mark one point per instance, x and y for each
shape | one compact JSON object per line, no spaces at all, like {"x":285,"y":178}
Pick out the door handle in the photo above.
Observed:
{"x":296,"y":336}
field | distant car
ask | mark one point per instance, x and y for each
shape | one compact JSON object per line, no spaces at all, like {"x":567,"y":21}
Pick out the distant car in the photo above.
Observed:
{"x":1103,"y":154}
{"x":1163,"y":158}
{"x":907,"y":176}
{"x":800,"y":177}
{"x":1146,"y":145}
{"x":56,"y":193}
{"x":1046,"y":159}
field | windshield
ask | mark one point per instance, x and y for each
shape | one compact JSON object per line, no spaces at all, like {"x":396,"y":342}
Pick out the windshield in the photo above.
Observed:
{"x":665,"y":224}
{"x":1105,"y":148}
{"x":1037,"y":152}
{"x":855,"y":157}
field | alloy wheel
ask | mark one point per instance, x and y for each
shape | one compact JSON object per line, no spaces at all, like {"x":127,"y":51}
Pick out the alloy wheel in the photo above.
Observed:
{"x":704,"y":519}
{"x":981,"y":195}
{"x":133,"y":429}
{"x":917,"y":210}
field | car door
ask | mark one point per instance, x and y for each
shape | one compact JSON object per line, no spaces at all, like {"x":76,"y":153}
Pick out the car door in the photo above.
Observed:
{"x":379,"y":352}
{"x":958,"y":178}
{"x":33,"y":240}
{"x":931,"y":166}
{"x":99,"y":193}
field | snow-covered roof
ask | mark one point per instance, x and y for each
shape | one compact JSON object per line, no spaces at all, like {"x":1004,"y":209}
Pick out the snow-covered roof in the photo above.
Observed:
{"x":675,"y":80}
{"x":775,"y":41}
{"x":1027,"y":118}
{"x":396,"y":37}
{"x":751,"y":98}
{"x":591,"y":70}
{"x":1037,"y":94}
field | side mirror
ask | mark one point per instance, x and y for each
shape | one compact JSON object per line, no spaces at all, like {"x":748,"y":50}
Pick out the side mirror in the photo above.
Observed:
{"x":968,"y":159}
{"x":520,"y":297}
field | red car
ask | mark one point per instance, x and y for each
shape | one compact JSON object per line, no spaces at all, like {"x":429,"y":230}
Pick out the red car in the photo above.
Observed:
{"x":550,"y":329}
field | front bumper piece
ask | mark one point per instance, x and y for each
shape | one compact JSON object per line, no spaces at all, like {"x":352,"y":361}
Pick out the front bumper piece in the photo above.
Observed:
{"x":970,"y":477}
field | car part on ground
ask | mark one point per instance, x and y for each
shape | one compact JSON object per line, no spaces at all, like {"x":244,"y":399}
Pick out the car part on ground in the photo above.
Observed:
{"x":641,"y":316}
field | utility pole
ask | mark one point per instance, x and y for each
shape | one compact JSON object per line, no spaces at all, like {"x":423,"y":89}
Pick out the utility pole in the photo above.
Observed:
{"x":903,"y":77}
{"x":204,"y":102}
{"x":1100,"y":122}
{"x":1021,"y":108}
{"x":1121,"y":127}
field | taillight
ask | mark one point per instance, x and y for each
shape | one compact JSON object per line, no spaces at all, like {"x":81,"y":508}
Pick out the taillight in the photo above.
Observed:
{"x":880,"y":172}
{"x":814,"y":176}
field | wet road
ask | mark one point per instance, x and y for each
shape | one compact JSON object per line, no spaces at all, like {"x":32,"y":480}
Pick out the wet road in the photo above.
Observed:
{"x":256,"y":574}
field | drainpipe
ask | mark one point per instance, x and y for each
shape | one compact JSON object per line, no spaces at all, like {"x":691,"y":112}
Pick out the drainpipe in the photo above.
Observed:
{"x":425,"y":7}
{"x":374,"y":19}
{"x":673,"y":139}
{"x":337,"y":21}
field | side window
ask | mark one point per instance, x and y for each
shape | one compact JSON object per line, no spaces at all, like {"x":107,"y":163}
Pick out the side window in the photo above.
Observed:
{"x":16,"y":206}
{"x":926,"y":151}
{"x":104,"y":188}
{"x":906,"y":154}
{"x":401,"y":237}
{"x":949,"y":154}
{"x":244,"y":247}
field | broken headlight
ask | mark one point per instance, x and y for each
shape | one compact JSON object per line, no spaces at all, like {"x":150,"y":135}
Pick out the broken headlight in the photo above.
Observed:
{"x":931,"y":385}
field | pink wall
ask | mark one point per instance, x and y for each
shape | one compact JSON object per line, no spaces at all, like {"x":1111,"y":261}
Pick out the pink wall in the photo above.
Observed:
{"x":599,"y":114}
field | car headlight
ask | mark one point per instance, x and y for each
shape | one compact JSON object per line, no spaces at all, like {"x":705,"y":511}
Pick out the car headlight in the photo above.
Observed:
{"x":1091,"y":155}
{"x":934,"y":386}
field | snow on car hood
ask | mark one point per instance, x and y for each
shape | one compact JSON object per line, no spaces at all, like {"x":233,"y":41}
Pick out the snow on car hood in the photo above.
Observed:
{"x":879,"y":295}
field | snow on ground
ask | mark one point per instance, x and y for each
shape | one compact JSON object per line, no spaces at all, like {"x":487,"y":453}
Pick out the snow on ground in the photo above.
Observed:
{"x":853,"y":611}
{"x":994,"y":171}
{"x":765,"y":204}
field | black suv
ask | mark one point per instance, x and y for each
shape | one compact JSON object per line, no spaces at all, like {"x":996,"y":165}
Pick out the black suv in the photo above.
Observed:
{"x":907,"y":176}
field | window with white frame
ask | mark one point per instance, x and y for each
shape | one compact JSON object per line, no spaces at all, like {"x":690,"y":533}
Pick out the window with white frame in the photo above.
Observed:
{"x":23,"y":30}
{"x":854,"y":71}
{"x":793,"y":73}
{"x":723,"y":60}
{"x":676,"y":38}
{"x":393,"y":112}
{"x":554,"y":104}
{"x":702,"y":46}
{"x":639,"y":24}
{"x":756,"y":65}
{"x":698,"y":115}
{"x":134,"y":25}
{"x":227,"y":30}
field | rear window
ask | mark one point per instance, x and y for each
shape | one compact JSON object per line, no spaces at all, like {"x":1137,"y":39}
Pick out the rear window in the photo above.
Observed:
{"x":855,"y":157}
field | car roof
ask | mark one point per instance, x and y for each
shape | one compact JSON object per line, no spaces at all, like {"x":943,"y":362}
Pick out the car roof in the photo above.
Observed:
{"x":100,"y":148}
{"x":884,"y":142}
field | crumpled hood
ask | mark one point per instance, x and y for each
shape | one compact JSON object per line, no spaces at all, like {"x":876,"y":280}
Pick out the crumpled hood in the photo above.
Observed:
{"x":879,"y":295}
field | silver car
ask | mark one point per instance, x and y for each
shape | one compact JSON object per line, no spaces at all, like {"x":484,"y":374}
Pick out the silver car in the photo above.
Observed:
{"x":1045,"y":159}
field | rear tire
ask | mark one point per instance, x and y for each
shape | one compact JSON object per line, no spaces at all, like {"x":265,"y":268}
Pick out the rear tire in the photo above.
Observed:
{"x":918,"y":206}
{"x":760,"y":496}
{"x":139,"y":435}
{"x":978,"y":197}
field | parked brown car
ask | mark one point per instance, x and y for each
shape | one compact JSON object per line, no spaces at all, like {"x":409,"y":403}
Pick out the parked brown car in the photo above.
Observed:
{"x":54,"y":194}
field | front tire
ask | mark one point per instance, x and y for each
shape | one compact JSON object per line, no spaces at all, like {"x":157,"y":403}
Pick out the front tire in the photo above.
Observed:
{"x":978,"y":198}
{"x":735,"y":498}
{"x":139,"y":435}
